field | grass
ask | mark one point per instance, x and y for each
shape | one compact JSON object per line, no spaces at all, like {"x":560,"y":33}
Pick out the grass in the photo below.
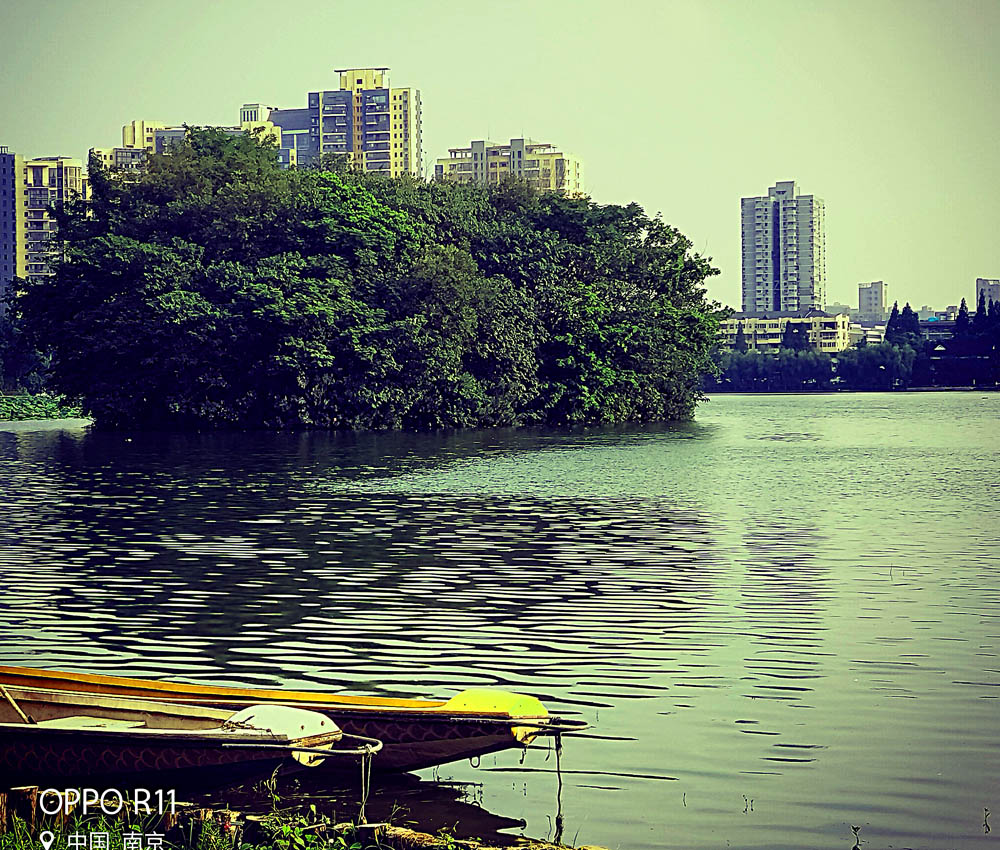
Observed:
{"x":276,"y":832}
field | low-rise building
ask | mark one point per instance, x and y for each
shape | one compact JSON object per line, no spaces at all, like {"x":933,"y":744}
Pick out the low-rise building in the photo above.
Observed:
{"x":870,"y":335}
{"x":140,"y":137}
{"x":544,"y":166}
{"x":119,"y":158}
{"x":763,"y":331}
{"x":937,"y":327}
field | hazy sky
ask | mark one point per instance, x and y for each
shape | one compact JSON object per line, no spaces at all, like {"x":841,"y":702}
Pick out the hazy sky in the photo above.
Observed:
{"x":886,"y":110}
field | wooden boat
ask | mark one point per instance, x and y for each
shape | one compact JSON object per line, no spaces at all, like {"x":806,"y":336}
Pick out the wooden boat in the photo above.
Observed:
{"x":48,"y":734}
{"x":415,"y":733}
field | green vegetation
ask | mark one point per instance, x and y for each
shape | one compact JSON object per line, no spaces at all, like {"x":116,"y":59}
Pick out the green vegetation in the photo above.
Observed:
{"x":21,"y":366}
{"x":905,"y":359}
{"x":275,"y":832}
{"x":215,"y":290}
{"x":787,"y":371}
{"x":24,"y":406}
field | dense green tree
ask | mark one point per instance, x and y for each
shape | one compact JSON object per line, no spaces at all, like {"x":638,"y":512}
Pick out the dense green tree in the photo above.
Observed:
{"x":740,"y":344}
{"x":910,"y":322}
{"x":980,"y":321}
{"x":795,"y":337}
{"x":21,"y":365}
{"x":213,"y":289}
{"x":876,"y":367}
{"x":893,"y":324}
{"x":963,"y":326}
{"x":786,"y":371}
{"x":903,"y":327}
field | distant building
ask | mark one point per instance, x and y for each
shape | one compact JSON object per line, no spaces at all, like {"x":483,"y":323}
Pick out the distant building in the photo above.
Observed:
{"x":763,"y":330}
{"x":377,"y":127}
{"x":871,"y":335}
{"x":836,"y":307}
{"x":12,"y":244}
{"x":872,"y":298}
{"x":989,"y":286}
{"x":784,"y":250}
{"x":140,"y":134}
{"x":119,"y":158}
{"x":141,"y":137}
{"x":926,"y":313}
{"x":544,"y":166}
{"x":963,"y":362}
{"x":46,"y":181}
{"x":28,"y":187}
{"x":937,"y":327}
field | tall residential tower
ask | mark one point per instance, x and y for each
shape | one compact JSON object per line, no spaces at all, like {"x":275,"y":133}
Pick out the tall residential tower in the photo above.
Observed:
{"x":376,"y":126}
{"x":872,"y":299}
{"x":28,"y":188}
{"x":12,"y":254}
{"x":784,"y":251}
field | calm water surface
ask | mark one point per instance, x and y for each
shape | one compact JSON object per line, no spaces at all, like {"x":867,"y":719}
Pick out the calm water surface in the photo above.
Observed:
{"x":782,"y":619}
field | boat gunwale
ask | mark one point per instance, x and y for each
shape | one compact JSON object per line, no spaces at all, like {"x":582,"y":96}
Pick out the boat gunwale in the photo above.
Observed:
{"x":119,"y":685}
{"x":198,"y":737}
{"x":217,"y":698}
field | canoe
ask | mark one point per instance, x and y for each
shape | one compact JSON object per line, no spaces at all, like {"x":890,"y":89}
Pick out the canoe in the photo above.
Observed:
{"x":48,"y":734}
{"x":415,"y":733}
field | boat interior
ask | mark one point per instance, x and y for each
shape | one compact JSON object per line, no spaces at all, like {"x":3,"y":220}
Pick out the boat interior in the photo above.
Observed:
{"x":71,"y":710}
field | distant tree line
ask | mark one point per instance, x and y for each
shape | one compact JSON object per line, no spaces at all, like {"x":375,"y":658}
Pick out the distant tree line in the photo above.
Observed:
{"x":904,"y":359}
{"x":214,"y":289}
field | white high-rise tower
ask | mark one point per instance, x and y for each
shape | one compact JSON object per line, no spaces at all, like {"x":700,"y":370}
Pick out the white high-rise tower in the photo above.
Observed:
{"x":784,"y":251}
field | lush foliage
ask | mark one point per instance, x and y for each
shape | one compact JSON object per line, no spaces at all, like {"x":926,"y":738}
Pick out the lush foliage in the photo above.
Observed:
{"x":787,"y":371}
{"x":21,"y":366}
{"x":903,"y":327}
{"x":876,"y":367}
{"x":905,"y":359}
{"x":215,"y":290}
{"x":41,"y":406}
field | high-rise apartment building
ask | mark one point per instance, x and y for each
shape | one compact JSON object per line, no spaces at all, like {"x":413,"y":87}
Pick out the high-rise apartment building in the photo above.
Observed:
{"x":28,"y":187}
{"x":544,"y":166}
{"x":47,"y":181}
{"x":784,"y":251}
{"x":12,"y":251}
{"x":376,"y":126}
{"x":872,"y":299}
{"x":989,"y":286}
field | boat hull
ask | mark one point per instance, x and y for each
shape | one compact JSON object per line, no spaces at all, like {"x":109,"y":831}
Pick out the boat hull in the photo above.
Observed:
{"x":64,"y":755}
{"x":415,"y":733}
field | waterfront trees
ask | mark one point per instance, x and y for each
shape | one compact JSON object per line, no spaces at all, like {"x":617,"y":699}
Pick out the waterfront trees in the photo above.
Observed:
{"x":215,"y":290}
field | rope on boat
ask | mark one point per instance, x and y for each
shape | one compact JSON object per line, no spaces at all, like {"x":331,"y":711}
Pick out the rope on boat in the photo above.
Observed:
{"x":559,"y":814}
{"x":366,"y":779}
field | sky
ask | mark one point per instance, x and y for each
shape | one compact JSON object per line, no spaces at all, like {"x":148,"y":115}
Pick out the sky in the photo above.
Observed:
{"x":886,"y":110}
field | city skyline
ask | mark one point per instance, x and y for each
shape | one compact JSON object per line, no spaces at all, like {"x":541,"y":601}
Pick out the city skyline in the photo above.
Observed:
{"x":882,"y":110}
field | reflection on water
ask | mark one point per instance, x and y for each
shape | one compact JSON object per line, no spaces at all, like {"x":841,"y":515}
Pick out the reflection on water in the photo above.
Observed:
{"x":781,"y":620}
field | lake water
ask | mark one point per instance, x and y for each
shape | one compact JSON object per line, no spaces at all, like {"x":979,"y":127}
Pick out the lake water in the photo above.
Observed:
{"x":782,"y":620}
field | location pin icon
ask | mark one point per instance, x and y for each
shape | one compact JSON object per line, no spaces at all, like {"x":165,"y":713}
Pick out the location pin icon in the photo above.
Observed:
{"x":47,"y":838}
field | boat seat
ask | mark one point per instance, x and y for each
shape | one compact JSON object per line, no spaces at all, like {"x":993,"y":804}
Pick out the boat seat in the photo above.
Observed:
{"x":83,"y":721}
